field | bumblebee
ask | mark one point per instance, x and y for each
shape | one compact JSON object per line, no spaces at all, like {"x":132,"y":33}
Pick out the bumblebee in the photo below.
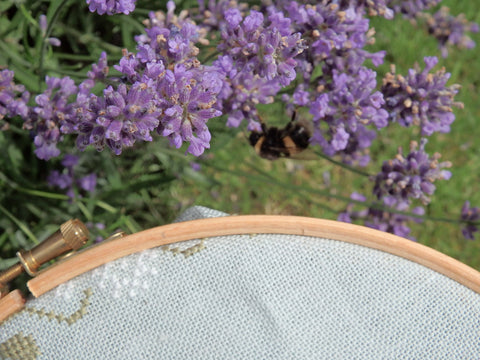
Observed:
{"x":272,"y":143}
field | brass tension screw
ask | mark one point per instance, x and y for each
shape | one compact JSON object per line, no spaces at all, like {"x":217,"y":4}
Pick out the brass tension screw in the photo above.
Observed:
{"x":72,"y":235}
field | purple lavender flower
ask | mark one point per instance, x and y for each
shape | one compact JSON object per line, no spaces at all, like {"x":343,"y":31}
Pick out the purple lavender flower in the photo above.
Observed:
{"x":171,"y":93}
{"x":242,"y":91}
{"x":342,"y":111}
{"x":42,"y":22}
{"x":54,"y":108}
{"x":349,"y":214}
{"x":170,"y":45}
{"x":335,"y":35}
{"x":187,"y":105}
{"x":70,"y":161}
{"x":266,"y":48}
{"x":450,"y":30}
{"x":118,"y":118}
{"x":111,"y":7}
{"x":60,"y":180}
{"x":373,"y":8}
{"x":421,"y":98}
{"x":266,"y":53}
{"x":181,"y":92}
{"x":470,"y":215}
{"x":98,"y":74}
{"x":410,"y":177}
{"x":342,"y":99}
{"x":13,"y":97}
{"x":169,"y":39}
{"x":68,"y":179}
{"x":212,"y":15}
{"x":99,"y":70}
{"x":411,"y":8}
{"x":379,"y":217}
{"x":65,"y":179}
{"x":88,"y":182}
{"x":165,"y":88}
{"x":195,"y":166}
{"x":391,"y":222}
{"x":369,"y":7}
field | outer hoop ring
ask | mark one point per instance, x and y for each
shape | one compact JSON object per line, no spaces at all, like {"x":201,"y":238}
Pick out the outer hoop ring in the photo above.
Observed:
{"x":102,"y":253}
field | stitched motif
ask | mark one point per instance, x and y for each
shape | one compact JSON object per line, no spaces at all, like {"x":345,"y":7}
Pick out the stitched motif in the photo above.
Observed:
{"x":19,"y":347}
{"x":77,"y":315}
{"x":185,"y":252}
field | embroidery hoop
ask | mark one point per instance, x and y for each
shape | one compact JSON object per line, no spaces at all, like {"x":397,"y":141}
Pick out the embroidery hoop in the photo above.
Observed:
{"x":102,"y":253}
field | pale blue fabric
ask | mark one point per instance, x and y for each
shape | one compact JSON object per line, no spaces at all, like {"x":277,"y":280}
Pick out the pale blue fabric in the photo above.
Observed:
{"x":254,"y":297}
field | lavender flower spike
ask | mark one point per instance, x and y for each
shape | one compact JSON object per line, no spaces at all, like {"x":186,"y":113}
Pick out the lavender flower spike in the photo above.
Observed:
{"x":410,"y":177}
{"x":470,"y":214}
{"x":111,"y":7}
{"x":52,"y":111}
{"x":189,"y":96}
{"x":411,"y":8}
{"x":421,"y":98}
{"x":450,"y":30}
{"x":42,"y":22}
{"x":379,"y":217}
{"x":346,"y":105}
{"x":119,"y":118}
{"x":13,"y":97}
{"x":266,"y":48}
{"x":68,"y":178}
{"x":184,"y":92}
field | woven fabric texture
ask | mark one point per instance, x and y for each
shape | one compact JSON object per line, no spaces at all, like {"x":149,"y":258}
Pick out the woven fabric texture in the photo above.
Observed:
{"x":250,"y":297}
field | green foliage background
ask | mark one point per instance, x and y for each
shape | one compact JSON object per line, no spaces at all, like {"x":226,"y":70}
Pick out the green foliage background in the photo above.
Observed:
{"x":152,"y":183}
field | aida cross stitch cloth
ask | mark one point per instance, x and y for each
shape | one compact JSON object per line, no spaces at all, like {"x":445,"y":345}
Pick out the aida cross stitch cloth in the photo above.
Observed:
{"x":250,"y":297}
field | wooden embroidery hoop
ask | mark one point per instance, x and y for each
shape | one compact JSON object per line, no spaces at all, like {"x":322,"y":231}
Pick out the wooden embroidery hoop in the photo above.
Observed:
{"x":105,"y":252}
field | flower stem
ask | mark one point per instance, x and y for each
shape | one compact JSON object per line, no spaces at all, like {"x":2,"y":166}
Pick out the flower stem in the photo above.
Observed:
{"x":41,"y":70}
{"x":91,"y":39}
{"x":20,"y":224}
{"x":342,"y":165}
